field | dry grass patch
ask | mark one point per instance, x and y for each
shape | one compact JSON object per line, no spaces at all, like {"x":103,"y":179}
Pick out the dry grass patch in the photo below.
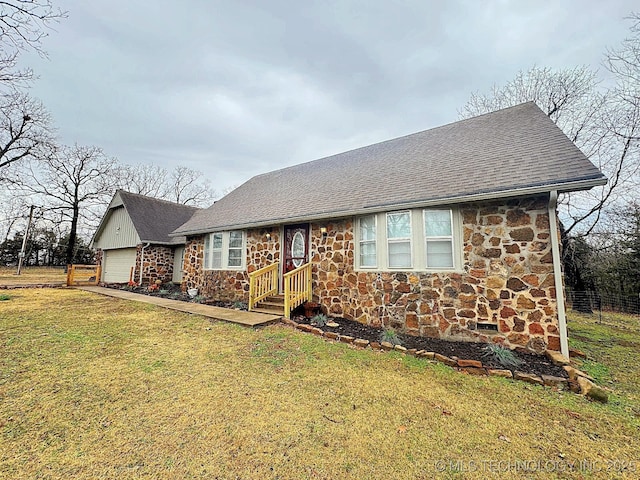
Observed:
{"x":32,"y":275}
{"x":96,"y":387}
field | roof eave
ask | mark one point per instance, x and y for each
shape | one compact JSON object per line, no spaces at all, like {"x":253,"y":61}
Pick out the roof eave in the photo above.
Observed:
{"x":576,"y":185}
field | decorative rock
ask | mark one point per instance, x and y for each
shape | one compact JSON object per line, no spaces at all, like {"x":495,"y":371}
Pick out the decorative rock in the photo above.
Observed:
{"x":574,"y":373}
{"x":573,"y":352}
{"x":400,"y":348}
{"x":332,"y":324}
{"x":346,"y":339}
{"x":528,"y":377}
{"x":331,"y":335}
{"x":500,"y":373}
{"x":412,"y":351}
{"x":419,"y":353}
{"x":288,"y":321}
{"x":474,"y":370}
{"x":375,"y":345}
{"x":470,"y":363}
{"x":304,"y":328}
{"x":446,"y":360}
{"x":317,"y":331}
{"x":591,"y":390}
{"x":386,"y":346}
{"x":361,"y":342}
{"x":551,"y":381}
{"x":557,"y":358}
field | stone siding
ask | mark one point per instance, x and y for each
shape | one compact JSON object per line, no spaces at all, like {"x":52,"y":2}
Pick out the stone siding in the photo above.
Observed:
{"x":158,"y":264}
{"x":506,"y":281}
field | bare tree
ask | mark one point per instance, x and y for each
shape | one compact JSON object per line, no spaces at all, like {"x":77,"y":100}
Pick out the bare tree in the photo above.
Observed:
{"x":587,"y":114}
{"x":23,"y":26}
{"x":25,"y":131}
{"x":75,"y":184}
{"x":181,"y":185}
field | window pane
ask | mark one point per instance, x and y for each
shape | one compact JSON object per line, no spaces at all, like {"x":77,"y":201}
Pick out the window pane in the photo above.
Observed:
{"x":235,"y":257}
{"x":216,"y":259}
{"x":368,"y":228}
{"x":439,"y":253}
{"x":437,"y":223}
{"x":368,"y":254}
{"x":398,"y":225}
{"x":235,"y":239}
{"x":399,"y":254}
{"x":207,"y":250}
{"x":217,"y":240}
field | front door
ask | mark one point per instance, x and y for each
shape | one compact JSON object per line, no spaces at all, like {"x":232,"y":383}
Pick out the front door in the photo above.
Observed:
{"x":296,"y":246}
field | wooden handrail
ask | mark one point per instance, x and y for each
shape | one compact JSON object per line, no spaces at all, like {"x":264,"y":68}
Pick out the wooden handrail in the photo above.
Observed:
{"x":262,"y":283}
{"x":297,"y":288}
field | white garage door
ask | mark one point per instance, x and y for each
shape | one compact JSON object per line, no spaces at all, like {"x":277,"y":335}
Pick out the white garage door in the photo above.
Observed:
{"x":116,"y":265}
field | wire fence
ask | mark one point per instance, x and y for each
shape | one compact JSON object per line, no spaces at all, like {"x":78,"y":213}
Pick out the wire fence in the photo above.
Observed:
{"x":617,"y":310}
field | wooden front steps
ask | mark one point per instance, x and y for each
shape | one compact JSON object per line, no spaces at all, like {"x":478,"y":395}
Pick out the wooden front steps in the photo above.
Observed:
{"x":273,"y":305}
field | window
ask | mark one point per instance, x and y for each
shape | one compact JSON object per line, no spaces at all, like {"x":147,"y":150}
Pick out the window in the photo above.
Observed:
{"x":399,"y":239}
{"x":224,"y":250}
{"x":438,"y":234}
{"x":368,"y":242}
{"x":420,"y":240}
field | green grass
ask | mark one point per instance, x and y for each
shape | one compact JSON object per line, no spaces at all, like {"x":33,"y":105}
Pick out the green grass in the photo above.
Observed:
{"x":612,"y":345}
{"x":95,"y":387}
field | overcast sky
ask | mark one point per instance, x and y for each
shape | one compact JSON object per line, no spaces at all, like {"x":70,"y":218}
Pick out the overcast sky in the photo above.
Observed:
{"x":238,"y":88}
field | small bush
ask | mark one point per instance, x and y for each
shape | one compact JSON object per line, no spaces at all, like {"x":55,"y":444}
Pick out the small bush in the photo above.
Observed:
{"x":320,"y":320}
{"x":504,"y":356}
{"x":198,"y":299}
{"x":390,"y":335}
{"x":240,"y":306}
{"x":4,"y":297}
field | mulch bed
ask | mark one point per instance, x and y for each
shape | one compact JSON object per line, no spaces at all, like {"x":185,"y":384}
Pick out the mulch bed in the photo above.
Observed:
{"x":529,"y":362}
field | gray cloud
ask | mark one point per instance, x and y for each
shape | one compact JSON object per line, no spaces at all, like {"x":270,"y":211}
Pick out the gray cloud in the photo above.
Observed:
{"x":239,"y":88}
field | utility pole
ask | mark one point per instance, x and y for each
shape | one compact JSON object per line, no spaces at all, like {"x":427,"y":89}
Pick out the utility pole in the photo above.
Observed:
{"x":24,"y":240}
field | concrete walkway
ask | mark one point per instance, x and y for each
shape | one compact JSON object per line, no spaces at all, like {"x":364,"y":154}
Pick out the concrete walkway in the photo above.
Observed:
{"x":226,"y":314}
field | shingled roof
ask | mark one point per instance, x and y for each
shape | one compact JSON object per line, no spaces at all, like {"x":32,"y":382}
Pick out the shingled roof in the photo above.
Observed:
{"x":153,"y":219}
{"x":510,"y":152}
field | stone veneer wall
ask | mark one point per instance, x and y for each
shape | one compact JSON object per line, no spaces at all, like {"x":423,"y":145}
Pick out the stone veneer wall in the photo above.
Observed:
{"x":507,"y":279}
{"x":229,"y":285}
{"x":158,"y":264}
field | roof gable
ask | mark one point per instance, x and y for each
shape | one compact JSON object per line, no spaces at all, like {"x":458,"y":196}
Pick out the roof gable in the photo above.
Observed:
{"x":152,"y":218}
{"x":503,"y":153}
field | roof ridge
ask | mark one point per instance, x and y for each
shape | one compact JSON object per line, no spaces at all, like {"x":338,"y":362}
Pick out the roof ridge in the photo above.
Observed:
{"x":158,"y":200}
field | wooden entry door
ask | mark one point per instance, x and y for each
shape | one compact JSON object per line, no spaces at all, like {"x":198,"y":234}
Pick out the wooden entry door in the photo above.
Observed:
{"x":296,"y":247}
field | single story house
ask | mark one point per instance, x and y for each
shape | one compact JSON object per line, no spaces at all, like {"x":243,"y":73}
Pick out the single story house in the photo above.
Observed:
{"x":449,"y":233}
{"x":133,"y":239}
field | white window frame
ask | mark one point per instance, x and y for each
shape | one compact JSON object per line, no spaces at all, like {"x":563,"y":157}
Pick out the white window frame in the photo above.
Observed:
{"x":224,"y":251}
{"x":438,"y":238}
{"x":399,"y":239}
{"x":374,"y":241}
{"x":418,"y":241}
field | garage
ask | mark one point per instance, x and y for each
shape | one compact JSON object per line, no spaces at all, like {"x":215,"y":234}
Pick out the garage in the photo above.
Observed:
{"x":116,"y":265}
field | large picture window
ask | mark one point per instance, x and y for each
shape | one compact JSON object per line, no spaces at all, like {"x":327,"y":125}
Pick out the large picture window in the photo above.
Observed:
{"x":414,"y":240}
{"x":224,"y":250}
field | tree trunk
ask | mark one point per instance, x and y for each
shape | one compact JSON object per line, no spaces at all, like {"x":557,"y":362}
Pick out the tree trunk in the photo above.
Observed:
{"x":72,"y":235}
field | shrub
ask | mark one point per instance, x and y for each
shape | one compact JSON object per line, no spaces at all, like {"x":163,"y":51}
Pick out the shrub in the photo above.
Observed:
{"x":320,"y":320}
{"x":504,"y":356}
{"x":390,"y":335}
{"x":240,"y":306}
{"x":4,"y":297}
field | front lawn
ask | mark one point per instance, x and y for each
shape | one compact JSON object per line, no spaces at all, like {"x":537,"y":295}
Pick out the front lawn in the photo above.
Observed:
{"x":96,"y":387}
{"x":32,"y":275}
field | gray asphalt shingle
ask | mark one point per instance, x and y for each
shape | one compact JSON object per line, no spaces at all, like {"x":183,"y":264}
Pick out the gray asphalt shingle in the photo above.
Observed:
{"x":502,"y":153}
